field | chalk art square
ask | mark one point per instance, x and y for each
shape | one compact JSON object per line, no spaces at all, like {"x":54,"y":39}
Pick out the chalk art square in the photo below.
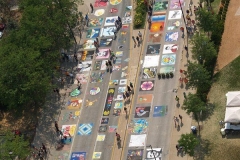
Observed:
{"x":157,"y":18}
{"x":170,"y":48}
{"x":174,"y":24}
{"x":154,"y":153}
{"x":88,"y":44}
{"x":101,"y":137}
{"x":153,"y":49}
{"x":119,"y":54}
{"x":106,"y":42}
{"x":104,"y":120}
{"x":154,"y":38}
{"x":175,"y":14}
{"x":147,"y":85}
{"x":118,"y":60}
{"x":112,"y":129}
{"x":116,"y":112}
{"x":116,"y":67}
{"x":110,"y":21}
{"x":157,"y":27}
{"x":149,"y":73}
{"x":174,"y":4}
{"x":108,"y":31}
{"x":96,"y":155}
{"x":93,"y":33}
{"x":118,"y":105}
{"x":168,"y":59}
{"x":102,"y":54}
{"x":123,"y":82}
{"x":96,"y":22}
{"x":113,"y":82}
{"x":167,"y":69}
{"x":119,"y":97}
{"x":85,"y":129}
{"x":160,"y":6}
{"x":102,"y":128}
{"x":171,"y":36}
{"x":159,"y":111}
{"x":137,"y":140}
{"x":121,"y":89}
{"x":126,"y":20}
{"x":135,"y":154}
{"x":141,"y":112}
{"x":138,"y":126}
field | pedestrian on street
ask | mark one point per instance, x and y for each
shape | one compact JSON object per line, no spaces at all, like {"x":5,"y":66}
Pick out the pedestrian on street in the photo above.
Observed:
{"x":110,"y":63}
{"x":124,"y":96}
{"x":149,"y":22}
{"x":118,"y":136}
{"x":125,"y":109}
{"x":97,"y":40}
{"x":137,"y":38}
{"x":107,"y":64}
{"x":186,"y":48}
{"x":177,"y":99}
{"x":134,"y":40}
{"x":140,"y":35}
{"x":127,"y":95}
{"x":177,"y":147}
{"x":91,"y":7}
{"x":180,"y":117}
{"x":175,"y":120}
{"x":44,"y":148}
{"x":119,"y":19}
{"x":56,"y":126}
{"x":129,"y":88}
{"x":131,"y":84}
{"x":117,"y":24}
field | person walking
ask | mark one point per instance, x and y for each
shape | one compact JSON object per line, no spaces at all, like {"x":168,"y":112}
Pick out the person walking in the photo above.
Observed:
{"x":110,"y":63}
{"x":180,"y":117}
{"x":133,"y":38}
{"x":107,"y":64}
{"x":129,"y":88}
{"x":91,"y":6}
{"x":177,"y":98}
{"x":140,"y":36}
{"x":124,"y":96}
{"x":118,"y":136}
{"x":175,"y":120}
{"x":125,"y":109}
{"x":131,"y":85}
{"x":138,"y":40}
{"x":127,"y":95}
{"x":119,"y":19}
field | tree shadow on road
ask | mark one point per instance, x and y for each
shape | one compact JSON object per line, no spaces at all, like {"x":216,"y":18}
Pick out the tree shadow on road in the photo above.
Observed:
{"x":202,"y":150}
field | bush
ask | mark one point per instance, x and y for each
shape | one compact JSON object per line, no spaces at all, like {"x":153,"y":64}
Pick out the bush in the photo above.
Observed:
{"x":140,"y":15}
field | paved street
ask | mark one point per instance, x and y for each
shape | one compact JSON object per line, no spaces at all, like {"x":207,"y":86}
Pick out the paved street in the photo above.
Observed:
{"x":91,"y":118}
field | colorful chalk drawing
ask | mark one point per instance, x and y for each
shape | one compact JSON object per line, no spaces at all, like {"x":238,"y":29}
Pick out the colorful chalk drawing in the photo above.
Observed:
{"x":157,"y":26}
{"x":126,"y":20}
{"x":109,"y":100}
{"x":104,"y":120}
{"x":116,"y":112}
{"x":108,"y":31}
{"x":174,"y":24}
{"x":121,"y":89}
{"x":174,"y":4}
{"x":68,"y":129}
{"x":110,"y":21}
{"x":106,"y":42}
{"x":85,"y":129}
{"x":116,"y":67}
{"x":113,"y":82}
{"x":99,"y":12}
{"x":145,"y":98}
{"x":118,"y":105}
{"x":94,"y":91}
{"x":138,"y":126}
{"x":74,"y":103}
{"x":170,"y":48}
{"x":103,"y":54}
{"x":135,"y":154}
{"x":119,"y":54}
{"x":96,"y":155}
{"x":137,"y":140}
{"x":96,"y":77}
{"x":159,"y":111}
{"x":123,"y":82}
{"x":154,"y":38}
{"x":93,"y":33}
{"x":83,"y":78}
{"x":112,"y":129}
{"x":153,"y":49}
{"x":158,"y":18}
{"x":100,"y":3}
{"x":103,"y":65}
{"x":97,"y":22}
{"x":150,"y":61}
{"x":122,"y":37}
{"x":97,"y":65}
{"x":70,"y":116}
{"x":78,"y":156}
{"x":167,"y":69}
{"x":160,"y":6}
{"x":115,"y":2}
{"x":84,"y":66}
{"x":88,"y":44}
{"x":101,"y":137}
{"x":149,"y":73}
{"x":141,"y":112}
{"x":171,"y":36}
{"x":168,"y":59}
{"x":176,"y":14}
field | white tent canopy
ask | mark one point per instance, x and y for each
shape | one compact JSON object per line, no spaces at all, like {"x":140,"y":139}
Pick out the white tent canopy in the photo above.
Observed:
{"x":233,"y":99}
{"x":232,"y":115}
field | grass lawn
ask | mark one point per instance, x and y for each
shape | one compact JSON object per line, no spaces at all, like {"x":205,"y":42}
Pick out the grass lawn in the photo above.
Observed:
{"x":228,"y":79}
{"x":215,"y":5}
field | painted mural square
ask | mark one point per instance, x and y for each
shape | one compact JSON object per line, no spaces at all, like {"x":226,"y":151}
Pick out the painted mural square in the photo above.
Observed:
{"x":154,"y":153}
{"x":154,"y":38}
{"x":89,"y":44}
{"x":109,"y":101}
{"x":103,"y":54}
{"x":137,"y":140}
{"x":123,"y":82}
{"x":142,"y":112}
{"x":167,"y":69}
{"x":150,"y":61}
{"x":174,"y":4}
{"x":68,"y":129}
{"x":96,"y":155}
{"x":104,"y":120}
{"x":135,"y":154}
{"x":138,"y":126}
{"x":168,"y":59}
{"x":85,"y":129}
{"x":99,"y":12}
{"x":118,"y":105}
{"x":112,"y":129}
{"x":159,"y":111}
{"x":83,"y":78}
{"x":144,"y":98}
{"x":149,"y":73}
{"x":121,"y":89}
{"x":78,"y":156}
{"x":175,"y":14}
{"x":74,"y":103}
{"x":174,"y":24}
{"x":116,"y":112}
{"x":157,"y":18}
{"x":93,"y":33}
{"x":103,"y":65}
{"x":101,"y":137}
{"x":110,"y":21}
{"x":116,"y":67}
{"x":97,"y":65}
{"x":170,"y":48}
{"x":157,"y":27}
{"x":160,"y":6}
{"x":85,"y":66}
{"x":108,"y":31}
{"x":153,"y":49}
{"x":147,"y":85}
{"x":171,"y":36}
{"x":96,"y":22}
{"x":102,"y":128}
{"x":96,"y":77}
{"x":113,"y":82}
{"x":106,"y":42}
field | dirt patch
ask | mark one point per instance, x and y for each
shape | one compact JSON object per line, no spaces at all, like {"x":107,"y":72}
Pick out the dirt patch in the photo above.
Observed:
{"x":230,"y":48}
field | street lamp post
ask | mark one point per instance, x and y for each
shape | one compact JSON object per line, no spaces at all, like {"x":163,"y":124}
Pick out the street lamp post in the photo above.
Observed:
{"x":152,"y":151}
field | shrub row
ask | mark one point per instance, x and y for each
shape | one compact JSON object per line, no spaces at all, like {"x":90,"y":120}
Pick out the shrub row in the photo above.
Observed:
{"x":140,"y":15}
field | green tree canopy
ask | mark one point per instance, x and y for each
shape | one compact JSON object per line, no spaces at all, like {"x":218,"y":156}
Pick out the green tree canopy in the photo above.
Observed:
{"x":198,"y":76}
{"x":14,"y":144}
{"x":206,"y":20}
{"x":202,"y":49}
{"x":189,"y":143}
